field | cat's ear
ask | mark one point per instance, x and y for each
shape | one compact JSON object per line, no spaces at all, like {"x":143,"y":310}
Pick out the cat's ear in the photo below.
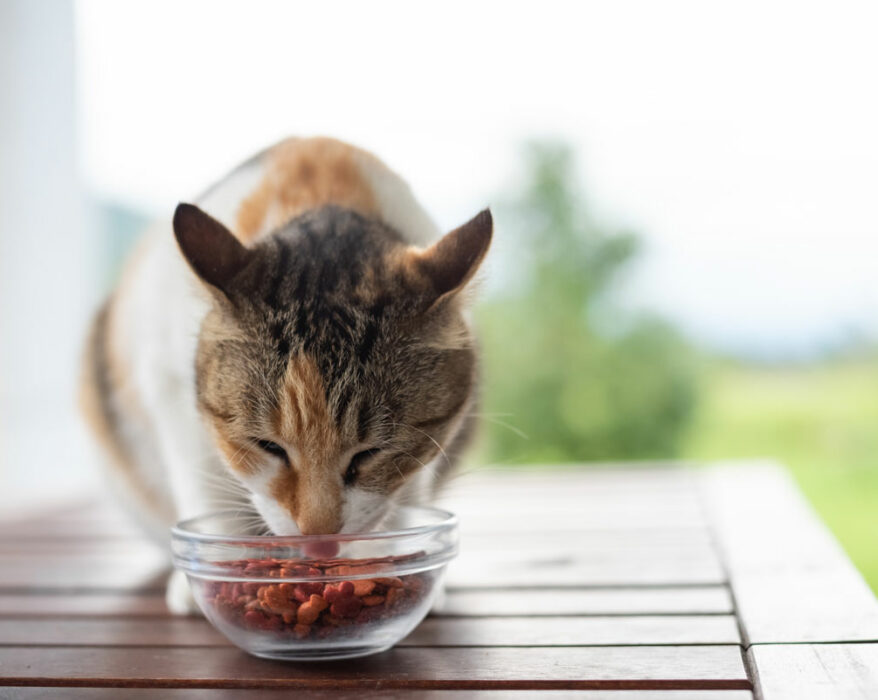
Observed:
{"x":450,"y":263}
{"x":211,"y":250}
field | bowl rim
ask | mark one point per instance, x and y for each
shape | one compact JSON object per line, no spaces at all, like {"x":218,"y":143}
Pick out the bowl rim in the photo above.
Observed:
{"x":179,"y":531}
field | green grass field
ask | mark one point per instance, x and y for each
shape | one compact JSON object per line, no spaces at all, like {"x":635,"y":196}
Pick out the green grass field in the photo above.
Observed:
{"x":821,"y":422}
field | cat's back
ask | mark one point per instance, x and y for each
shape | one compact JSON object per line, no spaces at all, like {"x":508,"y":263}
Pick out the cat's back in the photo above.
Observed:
{"x":301,"y":174}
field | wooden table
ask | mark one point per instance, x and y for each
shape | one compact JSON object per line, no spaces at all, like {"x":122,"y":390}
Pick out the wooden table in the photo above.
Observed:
{"x":649,"y":582}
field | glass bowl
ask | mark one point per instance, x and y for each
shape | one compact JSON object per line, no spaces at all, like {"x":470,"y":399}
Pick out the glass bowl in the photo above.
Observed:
{"x":316,"y":596}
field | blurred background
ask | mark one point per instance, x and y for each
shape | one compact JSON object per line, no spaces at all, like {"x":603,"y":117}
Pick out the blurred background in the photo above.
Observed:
{"x":684,"y":193}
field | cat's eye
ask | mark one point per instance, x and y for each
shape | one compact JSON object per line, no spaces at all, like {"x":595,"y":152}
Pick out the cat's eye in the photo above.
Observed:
{"x":353,"y":471}
{"x":273,"y":449}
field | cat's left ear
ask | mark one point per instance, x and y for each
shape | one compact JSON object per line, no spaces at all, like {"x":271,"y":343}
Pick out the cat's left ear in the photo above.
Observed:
{"x":452,"y":261}
{"x":211,"y":250}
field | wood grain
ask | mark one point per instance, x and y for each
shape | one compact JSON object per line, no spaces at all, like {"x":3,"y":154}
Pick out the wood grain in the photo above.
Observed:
{"x":791,"y":579}
{"x":817,"y":671}
{"x":74,"y":575}
{"x":595,"y":601}
{"x":698,"y":667}
{"x":92,"y":604}
{"x":514,"y":568}
{"x":490,"y":631}
{"x":361,"y":694}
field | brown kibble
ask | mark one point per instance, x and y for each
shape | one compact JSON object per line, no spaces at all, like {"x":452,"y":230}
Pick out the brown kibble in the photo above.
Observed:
{"x":391,"y":581}
{"x":301,"y":631}
{"x":363,"y":586}
{"x":346,"y":588}
{"x":394,"y":595}
{"x":371,"y":600}
{"x":276,"y":601}
{"x":318,"y":603}
{"x":289,"y":618}
{"x":307,"y":614}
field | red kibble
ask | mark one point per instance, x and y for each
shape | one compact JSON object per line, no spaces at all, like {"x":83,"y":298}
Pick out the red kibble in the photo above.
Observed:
{"x":331,"y":593}
{"x":300,"y":594}
{"x":254,"y":618}
{"x":303,"y":609}
{"x":346,"y":607}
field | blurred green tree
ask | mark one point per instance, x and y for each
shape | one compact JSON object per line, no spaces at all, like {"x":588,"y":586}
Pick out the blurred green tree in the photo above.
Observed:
{"x":567,"y":376}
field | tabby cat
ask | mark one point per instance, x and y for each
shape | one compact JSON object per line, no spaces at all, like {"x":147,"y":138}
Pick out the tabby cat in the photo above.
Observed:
{"x":297,"y":347}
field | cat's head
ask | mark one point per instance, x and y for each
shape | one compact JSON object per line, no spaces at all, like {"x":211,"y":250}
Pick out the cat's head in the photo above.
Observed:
{"x":335,"y":362}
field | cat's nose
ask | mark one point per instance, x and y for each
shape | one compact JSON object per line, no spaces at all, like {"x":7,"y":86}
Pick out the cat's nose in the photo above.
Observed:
{"x":317,"y":521}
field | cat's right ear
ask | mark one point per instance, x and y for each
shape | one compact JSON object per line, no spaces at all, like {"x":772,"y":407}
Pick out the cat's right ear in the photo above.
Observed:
{"x":211,"y":250}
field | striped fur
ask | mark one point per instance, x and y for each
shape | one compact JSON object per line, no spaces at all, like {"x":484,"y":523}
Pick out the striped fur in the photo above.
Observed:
{"x":306,"y":303}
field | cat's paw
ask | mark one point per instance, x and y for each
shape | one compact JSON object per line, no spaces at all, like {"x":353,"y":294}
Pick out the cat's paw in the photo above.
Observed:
{"x":178,"y":595}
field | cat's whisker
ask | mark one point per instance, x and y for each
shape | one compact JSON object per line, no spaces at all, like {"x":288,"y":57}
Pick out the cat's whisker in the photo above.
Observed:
{"x":430,"y":437}
{"x":503,"y":424}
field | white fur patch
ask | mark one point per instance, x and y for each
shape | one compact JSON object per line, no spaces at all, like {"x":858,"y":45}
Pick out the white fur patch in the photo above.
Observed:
{"x":397,"y":204}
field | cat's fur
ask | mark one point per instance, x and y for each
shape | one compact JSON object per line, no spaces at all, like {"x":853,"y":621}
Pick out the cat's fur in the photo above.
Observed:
{"x":301,"y":334}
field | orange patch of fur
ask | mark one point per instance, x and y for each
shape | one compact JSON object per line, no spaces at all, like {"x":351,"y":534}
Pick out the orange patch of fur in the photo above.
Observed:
{"x":304,"y":174}
{"x":240,"y":457}
{"x":311,"y":489}
{"x":121,"y":394}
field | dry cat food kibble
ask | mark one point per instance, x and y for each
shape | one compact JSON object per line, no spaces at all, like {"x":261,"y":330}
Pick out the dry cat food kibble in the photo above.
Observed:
{"x":314,"y":609}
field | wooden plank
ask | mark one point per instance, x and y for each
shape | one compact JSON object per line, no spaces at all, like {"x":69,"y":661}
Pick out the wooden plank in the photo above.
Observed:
{"x":818,"y":671}
{"x":645,"y":477}
{"x":459,"y":603}
{"x":487,"y":631}
{"x":576,"y":631}
{"x":597,"y":668}
{"x":97,"y":604}
{"x":596,"y":601}
{"x":556,"y":500}
{"x":407,"y":694}
{"x":72,"y":573}
{"x":574,"y":514}
{"x":522,"y":568}
{"x":633,"y":540}
{"x":790,"y":578}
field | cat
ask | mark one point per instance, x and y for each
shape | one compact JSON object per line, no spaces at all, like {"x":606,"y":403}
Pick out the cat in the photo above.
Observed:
{"x":297,"y":345}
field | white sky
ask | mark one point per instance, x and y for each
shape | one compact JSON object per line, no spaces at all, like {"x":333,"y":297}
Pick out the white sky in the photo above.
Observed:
{"x":739,"y":139}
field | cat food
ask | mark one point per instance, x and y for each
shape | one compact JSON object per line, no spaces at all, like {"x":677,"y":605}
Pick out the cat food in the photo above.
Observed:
{"x":314,"y":609}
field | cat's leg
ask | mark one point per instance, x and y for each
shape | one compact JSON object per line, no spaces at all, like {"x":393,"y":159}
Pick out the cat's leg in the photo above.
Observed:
{"x":178,"y":595}
{"x":194,"y":473}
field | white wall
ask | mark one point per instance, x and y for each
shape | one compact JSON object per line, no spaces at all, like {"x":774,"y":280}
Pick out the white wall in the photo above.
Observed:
{"x":47,"y":254}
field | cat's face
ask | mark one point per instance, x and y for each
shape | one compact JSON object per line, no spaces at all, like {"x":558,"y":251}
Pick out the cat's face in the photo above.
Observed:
{"x":335,"y":363}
